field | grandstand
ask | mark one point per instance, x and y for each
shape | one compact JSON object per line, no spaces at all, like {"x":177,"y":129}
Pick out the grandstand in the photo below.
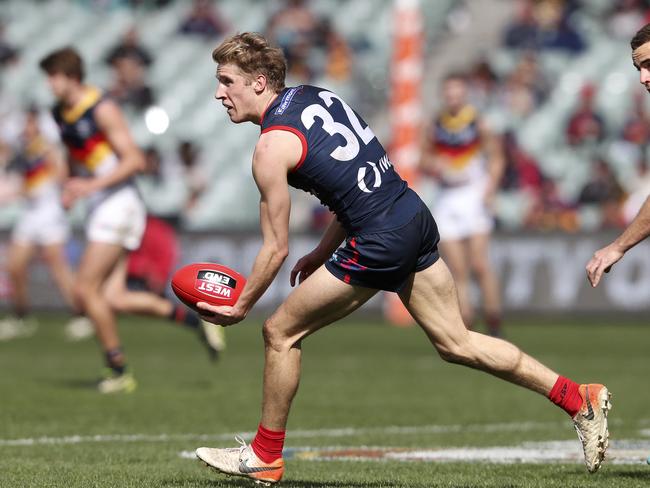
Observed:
{"x":180,"y":77}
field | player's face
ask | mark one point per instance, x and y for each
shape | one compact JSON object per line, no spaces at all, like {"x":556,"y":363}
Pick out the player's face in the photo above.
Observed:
{"x":454,"y":93}
{"x":641,"y":60}
{"x":236,"y":93}
{"x":59,"y":84}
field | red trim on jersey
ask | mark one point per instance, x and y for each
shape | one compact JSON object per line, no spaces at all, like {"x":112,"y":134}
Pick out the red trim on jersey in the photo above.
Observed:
{"x":300,"y":135}
{"x":267,"y":107}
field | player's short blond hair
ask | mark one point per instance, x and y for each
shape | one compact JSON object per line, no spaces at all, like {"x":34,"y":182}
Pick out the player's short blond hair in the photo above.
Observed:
{"x":253,"y":54}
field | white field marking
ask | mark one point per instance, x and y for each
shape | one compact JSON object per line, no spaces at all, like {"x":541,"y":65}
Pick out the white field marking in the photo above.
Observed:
{"x":292,"y":434}
{"x":619,"y":452}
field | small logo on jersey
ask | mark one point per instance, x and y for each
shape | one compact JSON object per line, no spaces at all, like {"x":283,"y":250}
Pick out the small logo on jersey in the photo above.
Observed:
{"x":84,"y":129}
{"x":361,"y":175}
{"x":286,"y":100}
{"x":215,"y":284}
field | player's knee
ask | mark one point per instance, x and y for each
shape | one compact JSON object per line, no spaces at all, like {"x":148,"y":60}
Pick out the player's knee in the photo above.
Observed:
{"x":456,"y":352}
{"x":115,"y":301}
{"x":274,"y":336}
{"x":480,"y":267}
{"x":83,"y":292}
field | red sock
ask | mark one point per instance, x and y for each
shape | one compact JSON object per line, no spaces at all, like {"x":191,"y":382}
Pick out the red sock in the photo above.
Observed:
{"x":268,"y":444}
{"x":565,"y":395}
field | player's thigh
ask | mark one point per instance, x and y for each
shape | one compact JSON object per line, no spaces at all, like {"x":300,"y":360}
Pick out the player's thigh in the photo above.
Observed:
{"x":19,"y":255}
{"x":430,"y":297}
{"x":97,"y":262}
{"x":316,"y":302}
{"x":479,"y":250}
{"x":454,"y":253}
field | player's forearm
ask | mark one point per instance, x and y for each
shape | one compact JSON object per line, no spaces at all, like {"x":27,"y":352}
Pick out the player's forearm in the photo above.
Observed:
{"x":331,"y":239}
{"x":265,"y":268}
{"x":129,"y":166}
{"x":638,"y":230}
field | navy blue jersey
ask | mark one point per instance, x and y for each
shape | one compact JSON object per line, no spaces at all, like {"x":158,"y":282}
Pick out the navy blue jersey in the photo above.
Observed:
{"x":342,"y":163}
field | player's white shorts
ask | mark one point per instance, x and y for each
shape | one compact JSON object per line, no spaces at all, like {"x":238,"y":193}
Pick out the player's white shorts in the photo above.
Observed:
{"x":460,"y":211}
{"x":42,"y":225}
{"x":120,"y":218}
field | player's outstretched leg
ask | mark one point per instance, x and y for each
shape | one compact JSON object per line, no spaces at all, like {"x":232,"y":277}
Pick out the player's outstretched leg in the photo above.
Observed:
{"x":145,"y":302}
{"x":317,"y":302}
{"x":430,"y":296}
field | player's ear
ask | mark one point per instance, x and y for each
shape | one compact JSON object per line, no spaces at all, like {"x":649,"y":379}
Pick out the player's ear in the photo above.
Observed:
{"x":260,"y":83}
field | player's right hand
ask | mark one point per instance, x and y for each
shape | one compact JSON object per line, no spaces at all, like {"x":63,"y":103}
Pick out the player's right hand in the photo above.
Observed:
{"x":305,"y":266}
{"x":601,"y":262}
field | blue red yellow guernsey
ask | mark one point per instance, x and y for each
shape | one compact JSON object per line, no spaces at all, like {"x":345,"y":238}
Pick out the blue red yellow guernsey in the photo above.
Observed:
{"x":457,"y":138}
{"x":34,"y":166}
{"x":85,"y":141}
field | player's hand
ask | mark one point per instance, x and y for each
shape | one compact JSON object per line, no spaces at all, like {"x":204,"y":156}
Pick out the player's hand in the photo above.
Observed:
{"x":76,"y":188}
{"x":601,"y":262}
{"x":305,"y":266}
{"x":221,"y":315}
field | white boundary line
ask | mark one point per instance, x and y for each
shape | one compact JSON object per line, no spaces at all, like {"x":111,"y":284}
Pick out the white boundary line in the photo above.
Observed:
{"x":569,"y":452}
{"x":292,"y":434}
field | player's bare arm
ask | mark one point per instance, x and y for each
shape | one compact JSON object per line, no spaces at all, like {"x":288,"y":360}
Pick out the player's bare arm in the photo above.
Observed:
{"x":603,"y":259}
{"x":111,"y":122}
{"x":493,"y":148}
{"x":310,"y":262}
{"x":276,"y":153}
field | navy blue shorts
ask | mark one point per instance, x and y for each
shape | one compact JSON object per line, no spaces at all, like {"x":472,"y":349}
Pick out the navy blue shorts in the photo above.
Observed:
{"x":385,"y":260}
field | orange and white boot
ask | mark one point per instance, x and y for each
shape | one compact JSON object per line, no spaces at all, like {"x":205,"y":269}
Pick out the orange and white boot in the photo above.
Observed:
{"x":242,"y":461}
{"x":591,"y":424}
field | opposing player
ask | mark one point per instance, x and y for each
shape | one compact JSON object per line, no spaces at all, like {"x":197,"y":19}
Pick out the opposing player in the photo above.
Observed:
{"x":467,"y":161}
{"x":603,"y":259}
{"x":43,"y":225}
{"x":106,"y":158}
{"x":311,"y":139}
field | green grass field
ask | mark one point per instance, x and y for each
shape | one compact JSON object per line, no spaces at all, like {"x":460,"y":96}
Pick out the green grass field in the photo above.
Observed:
{"x":361,"y":382}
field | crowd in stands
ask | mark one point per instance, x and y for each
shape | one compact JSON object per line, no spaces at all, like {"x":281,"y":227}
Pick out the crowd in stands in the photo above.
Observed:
{"x":176,"y":179}
{"x":605,"y":197}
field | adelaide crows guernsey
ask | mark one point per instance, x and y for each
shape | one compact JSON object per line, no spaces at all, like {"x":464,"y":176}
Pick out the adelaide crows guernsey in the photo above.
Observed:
{"x":457,"y":139}
{"x":87,"y":145}
{"x":342,"y":163}
{"x":38,"y":172}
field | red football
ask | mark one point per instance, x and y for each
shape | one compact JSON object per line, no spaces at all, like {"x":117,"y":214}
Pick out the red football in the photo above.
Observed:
{"x":207,"y":282}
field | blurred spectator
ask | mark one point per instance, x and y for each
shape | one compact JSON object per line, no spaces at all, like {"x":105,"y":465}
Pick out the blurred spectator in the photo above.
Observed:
{"x":292,"y":24}
{"x":197,"y":176}
{"x":312,"y":46}
{"x":521,"y":170}
{"x":603,"y":190}
{"x":601,"y":186}
{"x":550,"y":211}
{"x":483,"y":84}
{"x":129,"y":47}
{"x":339,"y":56}
{"x":129,"y":88}
{"x":625,"y":19}
{"x":162,"y":186}
{"x":541,"y":25}
{"x":8,"y":53}
{"x":585,"y":125}
{"x":204,"y":20}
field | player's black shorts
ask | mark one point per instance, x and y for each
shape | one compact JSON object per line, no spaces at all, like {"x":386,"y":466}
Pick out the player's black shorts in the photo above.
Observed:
{"x":385,"y":260}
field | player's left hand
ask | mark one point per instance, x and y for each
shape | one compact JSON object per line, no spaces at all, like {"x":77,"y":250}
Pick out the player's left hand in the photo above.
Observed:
{"x":601,"y":262}
{"x":221,"y":314}
{"x":76,"y":188}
